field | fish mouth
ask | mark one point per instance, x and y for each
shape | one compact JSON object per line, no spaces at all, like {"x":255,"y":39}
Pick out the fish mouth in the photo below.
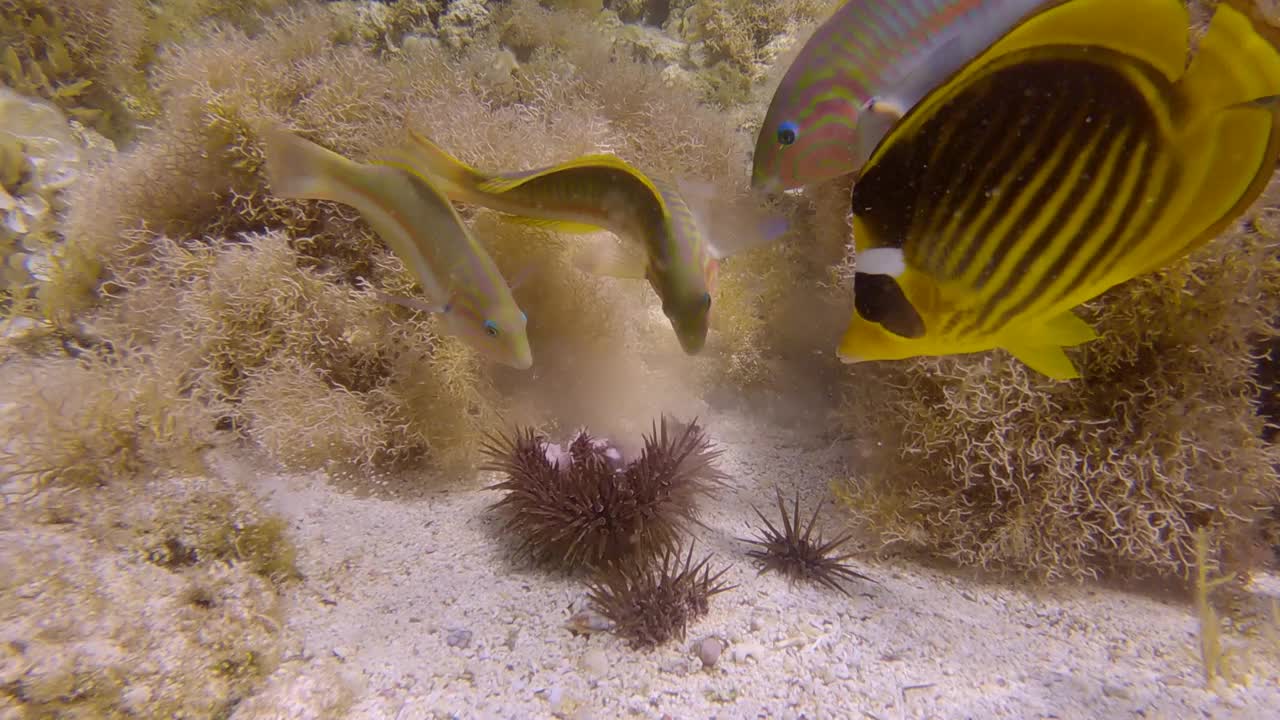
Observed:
{"x":523,"y":362}
{"x":763,"y":184}
{"x":847,"y":357}
{"x":692,"y":345}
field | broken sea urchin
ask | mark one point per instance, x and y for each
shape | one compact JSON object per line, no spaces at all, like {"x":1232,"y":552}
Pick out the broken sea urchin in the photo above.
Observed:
{"x":585,"y":510}
{"x":651,"y":603}
{"x":792,"y":553}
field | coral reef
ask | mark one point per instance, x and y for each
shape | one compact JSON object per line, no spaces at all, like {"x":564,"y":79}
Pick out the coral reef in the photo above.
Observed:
{"x":583,"y":508}
{"x":88,"y":56}
{"x":738,"y":41}
{"x":790,"y":551}
{"x":652,"y":603}
{"x":114,"y":608}
{"x":133,"y":256}
{"x":39,"y":157}
{"x":99,"y":419}
{"x":162,"y":301}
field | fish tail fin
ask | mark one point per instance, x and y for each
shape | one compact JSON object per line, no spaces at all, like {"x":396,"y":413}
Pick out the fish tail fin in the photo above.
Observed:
{"x":1097,"y":23}
{"x":300,"y":169}
{"x":1231,"y":92}
{"x":1235,"y":65}
{"x":426,"y":159}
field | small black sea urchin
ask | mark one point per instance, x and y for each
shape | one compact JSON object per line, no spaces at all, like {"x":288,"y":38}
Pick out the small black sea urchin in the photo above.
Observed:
{"x":793,"y":554}
{"x":651,"y":603}
{"x":584,"y":510}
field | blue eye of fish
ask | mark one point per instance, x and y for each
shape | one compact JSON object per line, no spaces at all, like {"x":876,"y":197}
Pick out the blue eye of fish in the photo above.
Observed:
{"x":706,"y":300}
{"x":491,"y":327}
{"x":523,"y":317}
{"x":787,"y":133}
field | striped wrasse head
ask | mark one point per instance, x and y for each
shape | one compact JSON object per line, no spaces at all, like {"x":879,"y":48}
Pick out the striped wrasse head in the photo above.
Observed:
{"x":1073,"y":156}
{"x":492,"y":324}
{"x":858,"y":73}
{"x":683,"y":268}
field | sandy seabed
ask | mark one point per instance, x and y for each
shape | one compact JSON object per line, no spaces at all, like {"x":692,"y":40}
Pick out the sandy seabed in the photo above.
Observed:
{"x":421,"y":605}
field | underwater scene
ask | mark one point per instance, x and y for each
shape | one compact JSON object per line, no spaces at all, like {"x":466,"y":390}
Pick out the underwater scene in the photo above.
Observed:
{"x":609,"y":359}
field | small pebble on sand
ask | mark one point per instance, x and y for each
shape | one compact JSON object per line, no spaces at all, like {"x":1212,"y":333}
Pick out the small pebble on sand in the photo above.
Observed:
{"x":458,"y":638}
{"x":708,"y":650}
{"x":594,"y":663}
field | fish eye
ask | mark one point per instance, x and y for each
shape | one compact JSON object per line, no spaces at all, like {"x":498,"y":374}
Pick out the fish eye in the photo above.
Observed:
{"x":787,"y":133}
{"x":491,"y":327}
{"x":523,"y":317}
{"x":706,"y":300}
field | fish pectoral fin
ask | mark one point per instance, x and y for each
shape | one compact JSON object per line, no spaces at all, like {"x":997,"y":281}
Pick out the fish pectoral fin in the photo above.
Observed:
{"x":880,"y":299}
{"x":564,"y":226}
{"x":612,"y":259}
{"x":891,"y":108}
{"x":1068,"y":330}
{"x":522,"y":276}
{"x":1041,"y":349}
{"x":411,"y":303}
{"x":729,"y":225}
{"x":1048,"y":360}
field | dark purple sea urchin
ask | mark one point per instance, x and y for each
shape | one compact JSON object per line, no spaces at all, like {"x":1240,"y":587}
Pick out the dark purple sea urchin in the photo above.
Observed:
{"x":793,"y":554}
{"x":651,"y":603}
{"x":584,"y":510}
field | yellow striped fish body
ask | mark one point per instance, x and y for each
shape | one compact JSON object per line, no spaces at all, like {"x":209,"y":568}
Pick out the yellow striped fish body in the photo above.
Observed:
{"x":459,"y":278}
{"x":591,"y":193}
{"x":1073,"y":155}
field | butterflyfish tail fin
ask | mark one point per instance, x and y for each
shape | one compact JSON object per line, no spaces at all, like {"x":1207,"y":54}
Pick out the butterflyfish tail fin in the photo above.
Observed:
{"x":1231,"y":92}
{"x":1104,"y":23}
{"x":1234,"y":67}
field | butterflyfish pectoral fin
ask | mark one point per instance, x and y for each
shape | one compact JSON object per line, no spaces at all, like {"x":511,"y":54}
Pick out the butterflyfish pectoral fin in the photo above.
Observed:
{"x":612,"y":259}
{"x":1048,"y":360}
{"x":1041,"y":347}
{"x":1068,"y":330}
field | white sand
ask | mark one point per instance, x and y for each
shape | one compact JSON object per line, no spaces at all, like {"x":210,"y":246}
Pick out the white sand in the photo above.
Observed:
{"x":389,"y":582}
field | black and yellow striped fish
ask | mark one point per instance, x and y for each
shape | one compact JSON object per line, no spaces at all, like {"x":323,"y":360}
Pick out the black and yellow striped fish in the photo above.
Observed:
{"x":1079,"y":151}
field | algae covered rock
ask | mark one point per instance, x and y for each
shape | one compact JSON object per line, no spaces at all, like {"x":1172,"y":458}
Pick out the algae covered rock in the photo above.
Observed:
{"x":94,"y":627}
{"x":39,"y":158}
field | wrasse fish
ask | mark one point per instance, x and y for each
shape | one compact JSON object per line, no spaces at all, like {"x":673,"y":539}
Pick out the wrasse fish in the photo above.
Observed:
{"x":1072,"y":155}
{"x":418,"y":223}
{"x":665,"y":223}
{"x":861,"y":71}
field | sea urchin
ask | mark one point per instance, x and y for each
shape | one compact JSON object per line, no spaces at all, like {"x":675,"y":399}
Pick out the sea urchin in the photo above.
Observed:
{"x":651,"y":603}
{"x":585,"y":510}
{"x":793,"y":554}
